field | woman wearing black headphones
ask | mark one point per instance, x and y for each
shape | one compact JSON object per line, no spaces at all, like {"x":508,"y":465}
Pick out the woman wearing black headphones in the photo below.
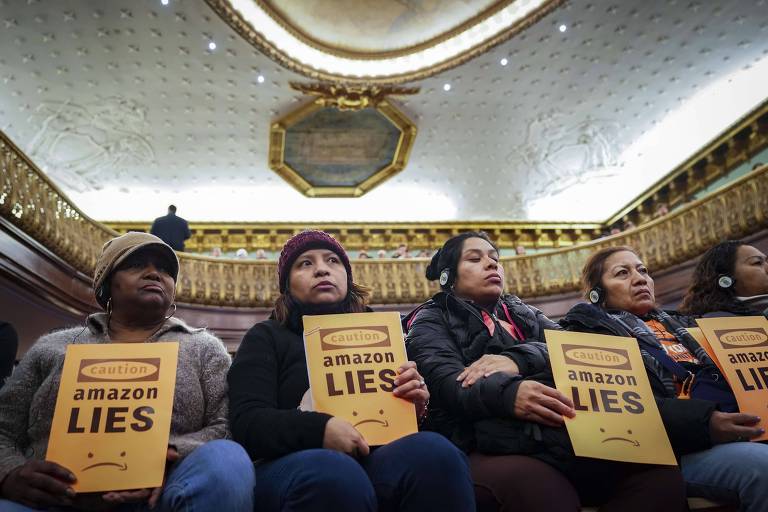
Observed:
{"x":715,"y":460}
{"x":731,"y":279}
{"x":483,"y":356}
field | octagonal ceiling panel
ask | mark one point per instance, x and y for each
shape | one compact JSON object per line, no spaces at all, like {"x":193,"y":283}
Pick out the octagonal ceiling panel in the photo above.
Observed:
{"x":325,"y":151}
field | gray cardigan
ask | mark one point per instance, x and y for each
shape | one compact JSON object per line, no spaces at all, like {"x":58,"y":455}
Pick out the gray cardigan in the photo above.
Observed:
{"x":28,"y":398}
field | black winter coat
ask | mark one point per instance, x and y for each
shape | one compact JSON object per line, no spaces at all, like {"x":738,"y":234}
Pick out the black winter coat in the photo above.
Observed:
{"x":686,"y":421}
{"x":447,"y":334}
{"x":267,"y":381}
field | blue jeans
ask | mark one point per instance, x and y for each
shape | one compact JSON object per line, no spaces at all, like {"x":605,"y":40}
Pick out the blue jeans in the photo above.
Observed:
{"x":731,"y":473}
{"x":216,"y":476}
{"x":420,"y":472}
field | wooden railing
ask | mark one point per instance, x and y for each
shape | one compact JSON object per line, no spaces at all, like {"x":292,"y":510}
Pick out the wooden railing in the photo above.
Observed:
{"x":35,"y":205}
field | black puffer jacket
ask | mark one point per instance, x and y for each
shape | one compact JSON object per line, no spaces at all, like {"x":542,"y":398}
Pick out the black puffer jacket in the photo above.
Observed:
{"x":686,"y":421}
{"x":447,"y":334}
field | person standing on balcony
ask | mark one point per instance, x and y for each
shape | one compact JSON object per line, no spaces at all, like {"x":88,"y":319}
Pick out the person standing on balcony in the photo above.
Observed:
{"x":171,"y":229}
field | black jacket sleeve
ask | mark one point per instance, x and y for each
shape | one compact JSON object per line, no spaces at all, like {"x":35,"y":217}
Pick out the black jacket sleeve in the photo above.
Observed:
{"x":256,"y":421}
{"x":439,"y":360}
{"x":530,"y":356}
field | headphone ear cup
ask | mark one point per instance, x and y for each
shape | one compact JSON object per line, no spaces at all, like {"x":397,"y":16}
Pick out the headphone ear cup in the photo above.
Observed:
{"x":444,"y":276}
{"x":102,"y":292}
{"x":595,"y":295}
{"x":725,"y":281}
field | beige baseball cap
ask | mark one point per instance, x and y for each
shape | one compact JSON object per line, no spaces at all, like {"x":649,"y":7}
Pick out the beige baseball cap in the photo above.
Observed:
{"x":118,"y":249}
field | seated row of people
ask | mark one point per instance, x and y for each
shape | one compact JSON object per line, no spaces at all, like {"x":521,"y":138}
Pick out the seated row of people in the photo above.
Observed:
{"x":492,"y":433}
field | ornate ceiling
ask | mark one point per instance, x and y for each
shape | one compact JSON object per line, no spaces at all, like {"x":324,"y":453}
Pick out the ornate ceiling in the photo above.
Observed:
{"x":366,"y":27}
{"x":128,"y":106}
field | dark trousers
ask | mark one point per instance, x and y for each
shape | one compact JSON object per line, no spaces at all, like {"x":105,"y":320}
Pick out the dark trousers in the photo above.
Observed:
{"x":506,"y":483}
{"x":419,"y":472}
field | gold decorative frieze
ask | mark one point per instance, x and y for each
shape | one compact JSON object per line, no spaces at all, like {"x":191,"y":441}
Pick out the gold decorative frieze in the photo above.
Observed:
{"x":351,"y":97}
{"x":269,"y":236}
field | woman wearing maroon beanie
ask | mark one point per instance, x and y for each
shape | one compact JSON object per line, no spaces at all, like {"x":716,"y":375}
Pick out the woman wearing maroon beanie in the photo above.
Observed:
{"x":308,"y":460}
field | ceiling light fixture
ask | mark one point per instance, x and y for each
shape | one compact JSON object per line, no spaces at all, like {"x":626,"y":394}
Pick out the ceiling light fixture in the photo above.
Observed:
{"x":164,"y":2}
{"x":446,"y":87}
{"x":211,"y":46}
{"x":562,"y":28}
{"x":504,"y":61}
{"x":260,"y":79}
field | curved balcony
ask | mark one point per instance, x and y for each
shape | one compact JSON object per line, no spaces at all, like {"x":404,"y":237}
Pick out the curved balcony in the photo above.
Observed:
{"x":34,"y":205}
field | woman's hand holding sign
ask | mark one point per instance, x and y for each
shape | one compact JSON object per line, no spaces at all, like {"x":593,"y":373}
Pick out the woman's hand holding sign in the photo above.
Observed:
{"x":411,"y":386}
{"x":341,"y":436}
{"x":151,"y":496}
{"x":727,"y":427}
{"x":542,"y":404}
{"x":39,"y":484}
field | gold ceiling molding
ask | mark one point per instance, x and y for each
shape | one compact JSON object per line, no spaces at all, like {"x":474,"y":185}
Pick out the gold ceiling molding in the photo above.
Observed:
{"x":342,"y":144}
{"x":257,"y":38}
{"x":351,"y":97}
{"x":276,"y":14}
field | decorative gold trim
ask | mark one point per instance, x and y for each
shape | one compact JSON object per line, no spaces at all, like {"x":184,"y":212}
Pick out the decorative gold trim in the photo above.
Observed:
{"x":376,"y":235}
{"x":281,"y":19}
{"x":254,"y":37}
{"x":351,"y":98}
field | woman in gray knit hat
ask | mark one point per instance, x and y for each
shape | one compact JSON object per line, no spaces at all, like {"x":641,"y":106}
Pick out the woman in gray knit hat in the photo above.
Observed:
{"x":134,"y":282}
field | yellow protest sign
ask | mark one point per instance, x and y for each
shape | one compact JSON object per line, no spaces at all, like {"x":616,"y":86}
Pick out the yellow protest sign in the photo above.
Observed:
{"x":352,"y":361}
{"x":616,"y":414}
{"x":702,"y":340}
{"x":741,"y":346}
{"x":113,"y":414}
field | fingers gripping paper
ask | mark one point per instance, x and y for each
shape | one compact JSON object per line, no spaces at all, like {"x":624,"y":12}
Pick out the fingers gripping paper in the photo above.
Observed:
{"x":740,"y":346}
{"x":113,"y":414}
{"x":352,"y":361}
{"x":616,"y":413}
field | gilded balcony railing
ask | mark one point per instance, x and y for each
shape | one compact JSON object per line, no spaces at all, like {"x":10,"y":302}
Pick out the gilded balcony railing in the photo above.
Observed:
{"x":35,"y":205}
{"x":31,"y":201}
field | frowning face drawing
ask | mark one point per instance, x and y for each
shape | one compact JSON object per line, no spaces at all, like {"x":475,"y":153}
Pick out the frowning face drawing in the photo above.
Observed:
{"x":620,"y":439}
{"x":362,"y":421}
{"x":118,"y":463}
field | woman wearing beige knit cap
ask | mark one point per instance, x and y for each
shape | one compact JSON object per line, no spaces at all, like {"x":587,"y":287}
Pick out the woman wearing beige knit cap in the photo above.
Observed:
{"x":134,"y":282}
